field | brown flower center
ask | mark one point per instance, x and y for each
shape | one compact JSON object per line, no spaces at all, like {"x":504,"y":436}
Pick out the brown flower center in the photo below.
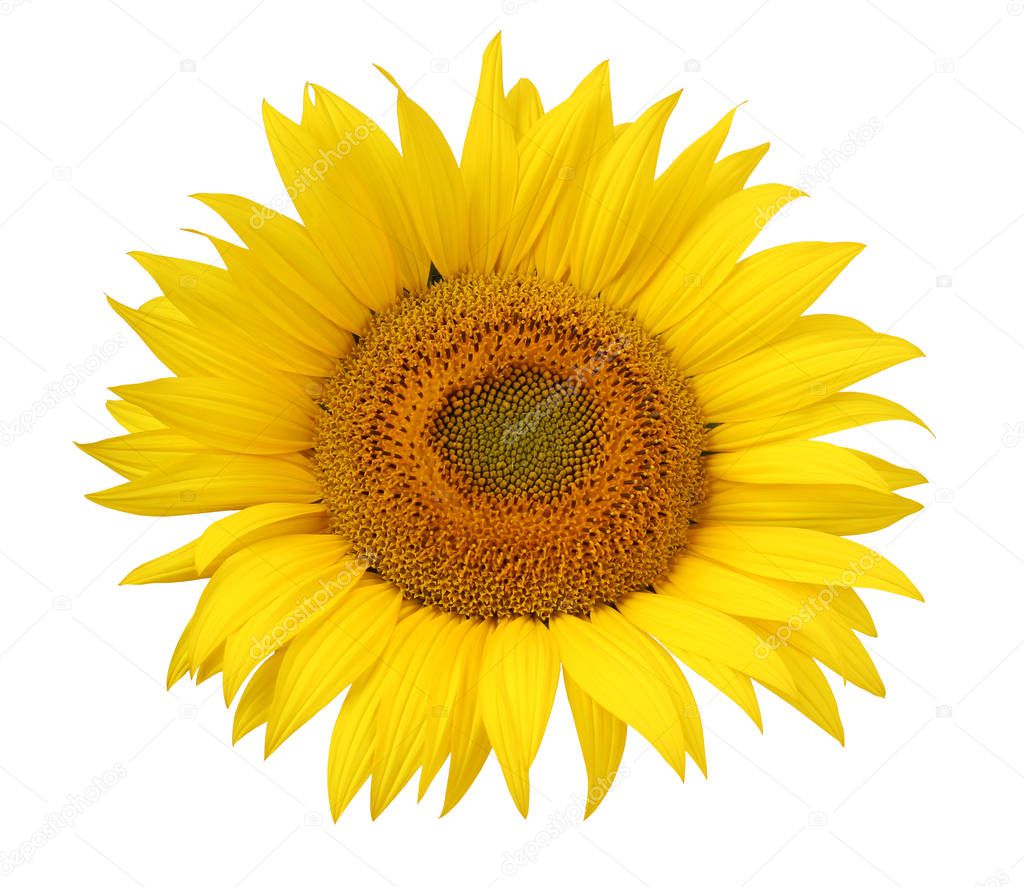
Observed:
{"x":508,"y":446}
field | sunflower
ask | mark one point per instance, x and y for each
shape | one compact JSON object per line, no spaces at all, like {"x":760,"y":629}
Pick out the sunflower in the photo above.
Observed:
{"x":480,"y":423}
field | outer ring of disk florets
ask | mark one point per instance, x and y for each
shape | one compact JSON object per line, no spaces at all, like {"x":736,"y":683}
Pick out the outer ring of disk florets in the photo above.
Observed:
{"x":414,"y":470}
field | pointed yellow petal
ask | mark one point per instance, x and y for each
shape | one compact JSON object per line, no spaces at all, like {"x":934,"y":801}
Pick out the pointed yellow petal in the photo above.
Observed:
{"x":175,"y":566}
{"x":351,"y":750}
{"x":436,"y":193}
{"x":731,"y":683}
{"x":728,"y":176}
{"x":321,"y":662}
{"x":489,"y":165}
{"x":524,"y":106}
{"x":622,"y":669}
{"x":296,"y":608}
{"x":469,"y":743}
{"x":602,"y":739}
{"x":842,"y":509}
{"x":895,"y":477}
{"x":255,"y":578}
{"x":212,"y":482}
{"x":796,"y":371}
{"x":224,"y":537}
{"x":315,"y":342}
{"x":210,"y":298}
{"x":757,"y":301}
{"x":448,"y":681}
{"x":287,"y":254}
{"x":800,"y":556}
{"x":376,"y":161}
{"x":847,"y":409}
{"x":177,"y":668}
{"x":707,"y":255}
{"x":671,"y":212}
{"x":142,"y":452}
{"x":517,"y":690}
{"x":340,"y":213}
{"x":793,"y":462}
{"x":132,"y":418}
{"x":813,"y":697}
{"x":254,"y":706}
{"x":615,"y":201}
{"x":552,"y":154}
{"x":404,"y":706}
{"x":691,"y":628}
{"x":187,"y":350}
{"x":228,"y":414}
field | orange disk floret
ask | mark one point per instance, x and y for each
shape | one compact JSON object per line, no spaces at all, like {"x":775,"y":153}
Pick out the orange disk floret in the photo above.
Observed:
{"x":509,"y":446}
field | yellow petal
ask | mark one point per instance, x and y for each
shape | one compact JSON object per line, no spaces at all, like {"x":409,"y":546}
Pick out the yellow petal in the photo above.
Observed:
{"x":800,"y":555}
{"x":287,"y":254}
{"x":620,"y":667}
{"x":257,"y":577}
{"x":321,"y":662}
{"x":314,"y":341}
{"x":211,"y":299}
{"x":796,"y":371}
{"x":895,"y":477}
{"x":213,"y":482}
{"x":254,"y":705}
{"x":351,"y":749}
{"x":552,"y":153}
{"x":137,"y":454}
{"x":187,"y":350}
{"x":436,"y":193}
{"x":843,"y":509}
{"x":340,"y":213}
{"x":602,"y":740}
{"x":615,"y":201}
{"x":691,"y":628}
{"x":376,"y":161}
{"x":132,"y":418}
{"x":813,"y":696}
{"x":489,"y":165}
{"x":728,"y":176}
{"x":757,"y":301}
{"x":296,"y":607}
{"x":175,"y":566}
{"x":228,"y":414}
{"x":517,"y":689}
{"x":524,"y":106}
{"x":672,"y":209}
{"x":224,"y":537}
{"x":177,"y":668}
{"x":731,"y":683}
{"x":448,"y":680}
{"x":609,"y":619}
{"x":707,"y":255}
{"x":469,"y":743}
{"x":847,"y":409}
{"x":824,"y":639}
{"x":405,"y":705}
{"x":793,"y":462}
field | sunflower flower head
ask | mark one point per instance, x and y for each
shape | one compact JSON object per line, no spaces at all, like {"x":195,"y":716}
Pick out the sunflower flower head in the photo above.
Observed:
{"x":478,"y":424}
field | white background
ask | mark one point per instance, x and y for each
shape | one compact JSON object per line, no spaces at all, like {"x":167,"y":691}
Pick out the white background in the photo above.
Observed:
{"x":111,"y":113}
